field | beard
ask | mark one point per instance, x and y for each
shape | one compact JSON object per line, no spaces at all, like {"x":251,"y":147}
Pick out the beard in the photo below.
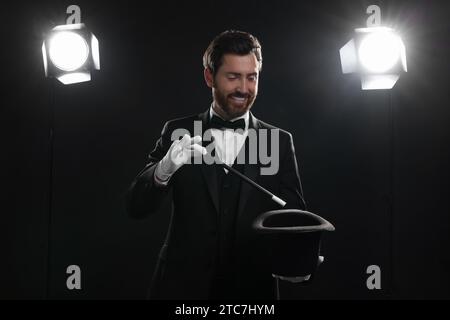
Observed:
{"x":234,"y":104}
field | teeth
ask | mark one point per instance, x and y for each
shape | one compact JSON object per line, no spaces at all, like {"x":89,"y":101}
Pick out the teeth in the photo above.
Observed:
{"x":239,"y":99}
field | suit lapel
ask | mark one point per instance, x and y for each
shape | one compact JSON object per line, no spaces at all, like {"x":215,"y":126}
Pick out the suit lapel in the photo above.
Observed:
{"x":209,"y":171}
{"x":250,"y":170}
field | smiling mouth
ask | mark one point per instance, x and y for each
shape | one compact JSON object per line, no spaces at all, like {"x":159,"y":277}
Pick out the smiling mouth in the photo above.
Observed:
{"x":238,"y":99}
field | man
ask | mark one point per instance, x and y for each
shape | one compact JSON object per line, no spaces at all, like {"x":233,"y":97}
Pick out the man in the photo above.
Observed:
{"x":211,"y":251}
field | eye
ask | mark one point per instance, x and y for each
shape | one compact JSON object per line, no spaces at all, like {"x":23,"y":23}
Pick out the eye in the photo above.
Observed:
{"x":253,"y":77}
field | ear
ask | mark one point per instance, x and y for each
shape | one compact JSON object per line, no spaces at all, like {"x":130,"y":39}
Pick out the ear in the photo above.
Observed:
{"x":209,"y":78}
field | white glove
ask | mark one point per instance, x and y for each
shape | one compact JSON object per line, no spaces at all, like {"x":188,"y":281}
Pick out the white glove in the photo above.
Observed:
{"x":179,"y":153}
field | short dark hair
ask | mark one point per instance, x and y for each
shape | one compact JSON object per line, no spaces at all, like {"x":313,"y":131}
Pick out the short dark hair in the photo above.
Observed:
{"x":231,"y":41}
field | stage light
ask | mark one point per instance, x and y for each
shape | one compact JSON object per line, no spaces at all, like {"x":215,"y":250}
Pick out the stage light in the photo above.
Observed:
{"x":70,"y":53}
{"x":377,"y":54}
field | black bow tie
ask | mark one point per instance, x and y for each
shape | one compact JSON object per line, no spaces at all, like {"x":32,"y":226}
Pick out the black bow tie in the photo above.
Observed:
{"x":219,"y":123}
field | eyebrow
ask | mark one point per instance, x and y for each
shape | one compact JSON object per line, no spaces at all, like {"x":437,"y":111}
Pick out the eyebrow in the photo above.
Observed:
{"x":238,"y":74}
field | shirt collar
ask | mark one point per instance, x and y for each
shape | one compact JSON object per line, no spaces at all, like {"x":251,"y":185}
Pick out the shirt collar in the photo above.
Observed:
{"x":245,"y":116}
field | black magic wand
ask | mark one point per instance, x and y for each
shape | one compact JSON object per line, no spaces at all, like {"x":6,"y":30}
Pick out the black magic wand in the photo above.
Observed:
{"x":281,"y":202}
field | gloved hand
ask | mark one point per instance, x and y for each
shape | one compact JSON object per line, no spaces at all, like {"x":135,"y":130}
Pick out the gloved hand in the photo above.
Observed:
{"x":180,"y":152}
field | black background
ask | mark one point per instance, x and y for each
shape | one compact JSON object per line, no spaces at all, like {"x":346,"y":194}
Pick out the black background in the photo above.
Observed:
{"x":151,"y":71}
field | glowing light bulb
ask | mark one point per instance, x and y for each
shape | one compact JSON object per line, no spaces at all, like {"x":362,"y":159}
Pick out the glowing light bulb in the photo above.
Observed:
{"x":380,"y":51}
{"x":68,"y":50}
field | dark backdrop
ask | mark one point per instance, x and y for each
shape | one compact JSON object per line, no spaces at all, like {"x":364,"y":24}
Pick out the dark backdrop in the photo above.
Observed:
{"x":352,"y":167}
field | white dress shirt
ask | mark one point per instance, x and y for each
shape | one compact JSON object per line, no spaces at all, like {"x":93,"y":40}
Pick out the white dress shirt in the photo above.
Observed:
{"x":228,"y":141}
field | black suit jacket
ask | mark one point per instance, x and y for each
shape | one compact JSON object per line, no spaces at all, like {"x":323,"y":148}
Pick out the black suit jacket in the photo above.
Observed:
{"x":186,"y":262}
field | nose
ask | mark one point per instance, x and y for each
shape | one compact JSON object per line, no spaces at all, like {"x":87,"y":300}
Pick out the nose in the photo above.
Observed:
{"x":243,"y":86}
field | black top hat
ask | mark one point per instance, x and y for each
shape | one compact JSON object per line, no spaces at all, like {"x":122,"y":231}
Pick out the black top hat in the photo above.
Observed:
{"x":293,"y":240}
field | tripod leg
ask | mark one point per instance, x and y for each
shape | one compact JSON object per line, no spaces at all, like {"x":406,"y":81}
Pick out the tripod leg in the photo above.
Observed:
{"x":277,"y":288}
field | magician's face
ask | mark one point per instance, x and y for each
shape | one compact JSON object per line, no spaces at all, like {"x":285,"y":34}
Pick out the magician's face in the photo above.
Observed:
{"x":235,"y":84}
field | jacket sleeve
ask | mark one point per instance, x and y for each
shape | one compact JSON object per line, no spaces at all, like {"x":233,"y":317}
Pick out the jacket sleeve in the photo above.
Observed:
{"x":291,"y":187}
{"x":144,"y":196}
